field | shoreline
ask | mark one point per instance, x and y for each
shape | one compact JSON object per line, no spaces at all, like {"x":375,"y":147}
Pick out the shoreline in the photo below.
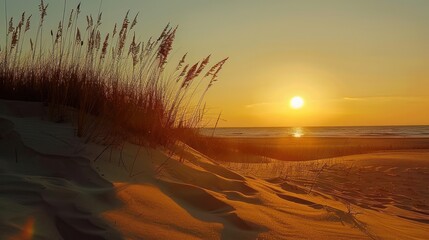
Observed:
{"x":316,"y":137}
{"x":301,"y":149}
{"x":407,"y":131}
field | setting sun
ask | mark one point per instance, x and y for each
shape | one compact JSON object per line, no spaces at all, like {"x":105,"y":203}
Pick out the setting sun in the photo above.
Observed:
{"x":297,"y":102}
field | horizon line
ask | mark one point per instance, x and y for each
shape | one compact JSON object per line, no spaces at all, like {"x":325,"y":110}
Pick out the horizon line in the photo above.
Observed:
{"x":315,"y":126}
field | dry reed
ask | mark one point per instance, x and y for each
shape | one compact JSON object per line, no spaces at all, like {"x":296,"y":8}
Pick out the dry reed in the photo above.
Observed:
{"x":114,"y":94}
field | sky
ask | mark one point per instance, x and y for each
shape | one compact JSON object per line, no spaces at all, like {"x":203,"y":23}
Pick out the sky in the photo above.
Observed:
{"x":356,"y":62}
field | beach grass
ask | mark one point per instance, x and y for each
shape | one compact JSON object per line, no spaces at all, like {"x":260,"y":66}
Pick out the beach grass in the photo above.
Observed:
{"x":112,"y":86}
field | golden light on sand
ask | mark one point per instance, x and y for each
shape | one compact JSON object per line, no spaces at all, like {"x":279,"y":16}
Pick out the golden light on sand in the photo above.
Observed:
{"x":297,"y":102}
{"x":26,"y":232}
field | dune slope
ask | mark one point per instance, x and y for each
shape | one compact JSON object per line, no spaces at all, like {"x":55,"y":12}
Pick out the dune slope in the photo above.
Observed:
{"x":53,"y":186}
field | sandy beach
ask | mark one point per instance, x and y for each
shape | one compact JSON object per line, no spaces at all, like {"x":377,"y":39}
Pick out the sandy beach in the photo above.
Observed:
{"x":53,"y":185}
{"x":302,"y":148}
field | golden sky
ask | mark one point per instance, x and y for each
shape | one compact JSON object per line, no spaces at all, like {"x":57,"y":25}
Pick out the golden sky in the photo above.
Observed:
{"x":357,"y":62}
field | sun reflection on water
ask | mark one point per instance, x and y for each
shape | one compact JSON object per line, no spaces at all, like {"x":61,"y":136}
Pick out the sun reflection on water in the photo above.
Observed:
{"x":297,"y":132}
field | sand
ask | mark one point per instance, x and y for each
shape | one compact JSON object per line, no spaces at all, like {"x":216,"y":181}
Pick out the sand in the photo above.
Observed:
{"x":51,"y":188}
{"x":304,"y":148}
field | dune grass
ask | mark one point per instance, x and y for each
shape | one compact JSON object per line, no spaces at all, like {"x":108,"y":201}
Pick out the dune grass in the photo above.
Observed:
{"x":115,"y":86}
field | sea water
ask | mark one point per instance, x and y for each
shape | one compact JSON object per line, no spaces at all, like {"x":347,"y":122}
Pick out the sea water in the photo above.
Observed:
{"x":358,"y":131}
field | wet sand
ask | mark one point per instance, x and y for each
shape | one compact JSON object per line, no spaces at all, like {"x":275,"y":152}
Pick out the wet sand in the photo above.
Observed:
{"x":301,"y":149}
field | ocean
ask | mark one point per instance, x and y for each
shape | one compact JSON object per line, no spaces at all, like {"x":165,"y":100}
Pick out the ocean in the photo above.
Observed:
{"x":364,"y":131}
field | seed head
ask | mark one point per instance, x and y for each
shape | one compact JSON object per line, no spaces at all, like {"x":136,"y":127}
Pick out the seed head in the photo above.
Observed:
{"x":70,"y":19}
{"x":104,"y":49}
{"x":27,"y":24}
{"x":11,"y":28}
{"x":134,"y":21}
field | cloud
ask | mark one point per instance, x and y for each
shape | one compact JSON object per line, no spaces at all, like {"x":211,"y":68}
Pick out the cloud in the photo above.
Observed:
{"x":353,"y":99}
{"x":384,"y":98}
{"x":261,"y":104}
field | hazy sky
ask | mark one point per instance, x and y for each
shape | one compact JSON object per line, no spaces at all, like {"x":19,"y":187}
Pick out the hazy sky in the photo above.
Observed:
{"x":361,"y":62}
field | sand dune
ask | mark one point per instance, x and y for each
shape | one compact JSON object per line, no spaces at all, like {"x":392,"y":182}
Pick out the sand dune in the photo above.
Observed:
{"x":389,"y":187}
{"x":51,"y":188}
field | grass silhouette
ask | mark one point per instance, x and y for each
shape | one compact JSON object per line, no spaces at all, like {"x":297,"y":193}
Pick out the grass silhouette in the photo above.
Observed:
{"x":114,"y":86}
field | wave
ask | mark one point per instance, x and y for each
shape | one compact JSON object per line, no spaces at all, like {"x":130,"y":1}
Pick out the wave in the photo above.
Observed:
{"x":368,"y":131}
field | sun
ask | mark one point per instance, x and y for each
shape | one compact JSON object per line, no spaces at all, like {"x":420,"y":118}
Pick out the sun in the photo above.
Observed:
{"x":297,"y":102}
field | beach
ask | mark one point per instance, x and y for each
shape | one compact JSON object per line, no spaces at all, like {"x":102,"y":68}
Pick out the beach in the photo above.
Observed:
{"x":54,"y":185}
{"x":238,"y":149}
